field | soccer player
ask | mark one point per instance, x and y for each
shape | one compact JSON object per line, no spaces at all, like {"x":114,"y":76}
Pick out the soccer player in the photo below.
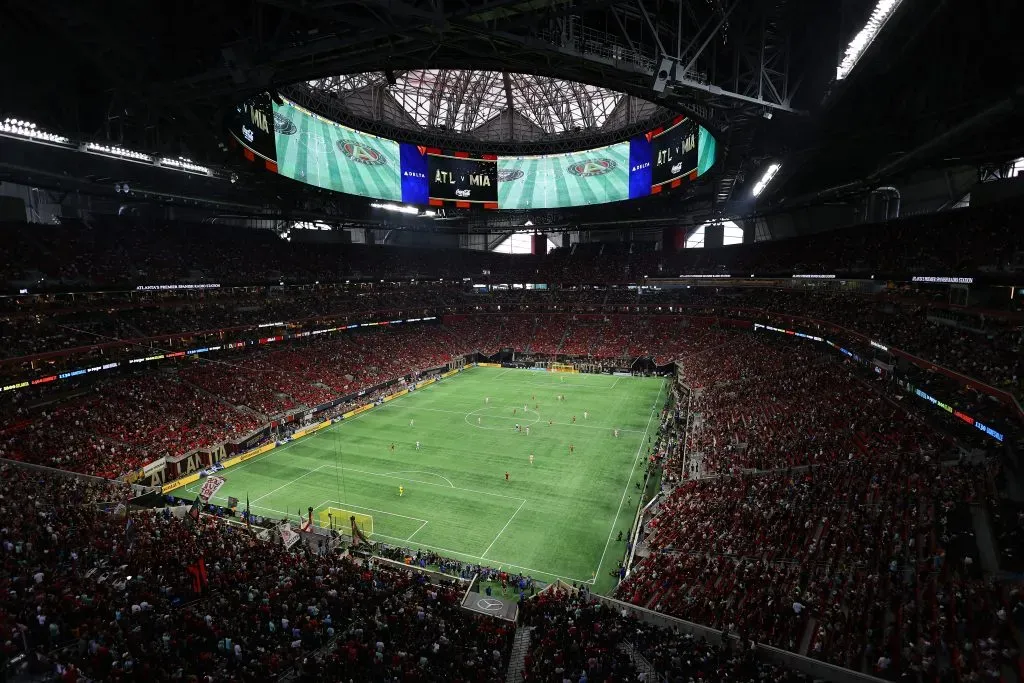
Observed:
{"x":616,"y":433}
{"x":572,"y":449}
{"x":585,"y":415}
{"x":401,"y":491}
{"x":392,"y":447}
{"x":549,"y":423}
{"x":478,"y":420}
{"x":574,"y":419}
{"x":506,"y":476}
{"x":517,"y":427}
{"x":525,"y":408}
{"x":417,"y":445}
{"x":411,"y":422}
{"x":527,"y":430}
{"x":531,"y":458}
{"x":487,"y":400}
{"x":533,"y":397}
{"x":513,"y":411}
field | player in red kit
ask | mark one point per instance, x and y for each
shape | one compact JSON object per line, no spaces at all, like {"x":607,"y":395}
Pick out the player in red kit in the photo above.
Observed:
{"x":506,"y":476}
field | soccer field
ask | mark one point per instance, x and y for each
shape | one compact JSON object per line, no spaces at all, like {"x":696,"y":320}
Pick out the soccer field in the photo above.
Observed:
{"x":558,"y":517}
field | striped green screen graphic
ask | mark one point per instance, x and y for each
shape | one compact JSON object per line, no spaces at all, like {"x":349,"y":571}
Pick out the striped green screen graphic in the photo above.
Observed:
{"x":593,"y":176}
{"x":319,"y":152}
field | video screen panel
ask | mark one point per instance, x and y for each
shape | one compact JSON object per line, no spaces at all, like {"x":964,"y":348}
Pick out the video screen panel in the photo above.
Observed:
{"x":674,"y":152}
{"x":314,"y":150}
{"x":593,"y":176}
{"x":252,"y":124}
{"x":461,"y":178}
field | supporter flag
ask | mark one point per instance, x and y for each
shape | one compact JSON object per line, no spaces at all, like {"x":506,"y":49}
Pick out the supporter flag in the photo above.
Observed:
{"x":198,"y":572}
{"x":194,"y":510}
{"x":129,"y":532}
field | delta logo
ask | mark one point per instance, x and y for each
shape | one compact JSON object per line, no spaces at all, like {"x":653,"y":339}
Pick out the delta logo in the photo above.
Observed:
{"x":362,"y":154}
{"x":640,"y":167}
{"x":592,"y":167}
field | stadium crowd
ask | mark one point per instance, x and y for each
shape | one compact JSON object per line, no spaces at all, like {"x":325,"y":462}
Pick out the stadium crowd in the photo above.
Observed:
{"x":820,"y":516}
{"x":575,"y":638}
{"x":978,"y":342}
{"x":93,"y":596}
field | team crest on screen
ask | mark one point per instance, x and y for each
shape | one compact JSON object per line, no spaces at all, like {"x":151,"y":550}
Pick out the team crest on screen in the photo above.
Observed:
{"x":283,"y":125}
{"x":592,"y":167}
{"x":506,"y":175}
{"x":361,"y":154}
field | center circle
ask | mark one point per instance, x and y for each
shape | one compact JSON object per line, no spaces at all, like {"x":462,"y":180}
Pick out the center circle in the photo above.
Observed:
{"x":511,"y":419}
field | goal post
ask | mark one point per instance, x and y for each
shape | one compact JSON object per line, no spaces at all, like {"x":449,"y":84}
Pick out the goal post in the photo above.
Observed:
{"x":340,"y":520}
{"x":561,"y":367}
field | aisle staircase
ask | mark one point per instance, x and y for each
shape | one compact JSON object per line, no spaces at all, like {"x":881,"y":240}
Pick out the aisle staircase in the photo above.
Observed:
{"x":639,"y":661}
{"x":517,"y":660}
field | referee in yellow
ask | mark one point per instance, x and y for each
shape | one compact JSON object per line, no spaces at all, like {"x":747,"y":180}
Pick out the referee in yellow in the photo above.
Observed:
{"x":401,"y":491}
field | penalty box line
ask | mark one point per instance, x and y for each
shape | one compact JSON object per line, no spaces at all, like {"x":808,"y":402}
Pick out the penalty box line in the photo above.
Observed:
{"x":388,"y":475}
{"x":445,"y":551}
{"x":343,"y":506}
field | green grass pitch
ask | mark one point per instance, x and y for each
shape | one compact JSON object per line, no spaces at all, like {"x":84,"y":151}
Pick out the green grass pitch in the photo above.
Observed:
{"x":558,"y":517}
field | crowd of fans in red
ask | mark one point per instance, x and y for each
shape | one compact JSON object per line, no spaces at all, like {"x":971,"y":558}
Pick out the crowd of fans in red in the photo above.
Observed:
{"x":848,"y":544}
{"x":202,"y":400}
{"x":92,"y":596}
{"x":978,"y":342}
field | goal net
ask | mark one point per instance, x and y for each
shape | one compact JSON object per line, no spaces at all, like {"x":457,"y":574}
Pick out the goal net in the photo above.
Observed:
{"x":340,"y":520}
{"x":561,"y":367}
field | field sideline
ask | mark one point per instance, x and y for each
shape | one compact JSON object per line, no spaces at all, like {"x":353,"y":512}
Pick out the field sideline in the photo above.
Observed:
{"x":558,"y":517}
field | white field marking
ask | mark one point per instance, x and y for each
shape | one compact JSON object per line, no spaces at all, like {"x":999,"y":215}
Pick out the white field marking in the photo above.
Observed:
{"x":288,"y":445}
{"x":629,"y":481}
{"x":286,"y":485}
{"x":484,"y":553}
{"x":421,"y":472}
{"x":322,"y":432}
{"x":415,"y":532}
{"x":315,"y":150}
{"x":446,"y":551}
{"x":499,"y":417}
{"x":614,"y":383}
{"x":428,"y":483}
{"x":342,"y":506}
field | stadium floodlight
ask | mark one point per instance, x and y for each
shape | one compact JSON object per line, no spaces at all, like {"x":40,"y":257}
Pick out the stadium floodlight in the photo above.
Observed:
{"x":27,"y":129}
{"x":400,"y":208}
{"x":769,"y":173}
{"x":884,"y":9}
{"x":118,"y":152}
{"x":184,"y":164}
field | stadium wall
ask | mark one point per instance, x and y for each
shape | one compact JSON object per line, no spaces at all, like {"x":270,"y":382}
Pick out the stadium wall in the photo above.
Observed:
{"x":817,"y":669}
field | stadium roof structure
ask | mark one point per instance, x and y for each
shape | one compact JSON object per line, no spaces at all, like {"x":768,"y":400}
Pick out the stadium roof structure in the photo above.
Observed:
{"x":498,"y":107}
{"x":761,"y":75}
